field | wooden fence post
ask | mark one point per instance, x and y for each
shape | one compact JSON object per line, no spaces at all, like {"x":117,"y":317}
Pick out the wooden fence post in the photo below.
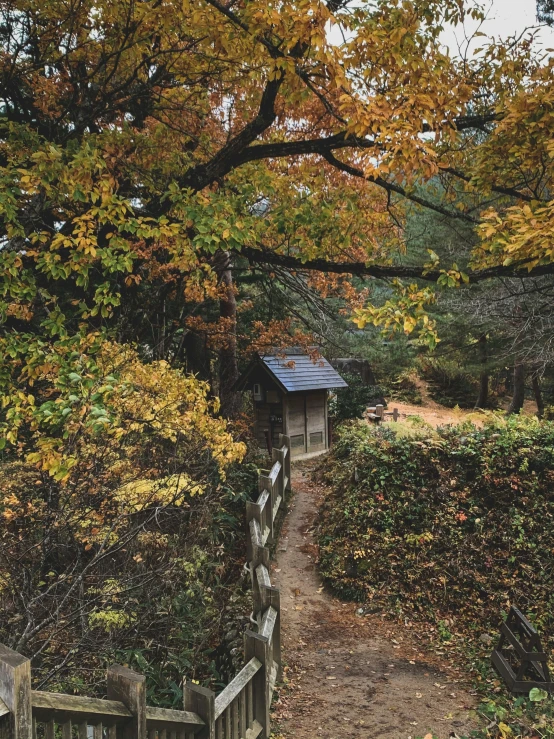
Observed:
{"x":15,"y":691}
{"x":201,"y":701}
{"x":380,"y":411}
{"x":130,"y":688}
{"x":256,"y":645}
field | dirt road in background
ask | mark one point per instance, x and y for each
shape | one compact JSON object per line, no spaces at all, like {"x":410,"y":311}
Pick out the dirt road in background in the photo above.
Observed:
{"x":352,"y":675}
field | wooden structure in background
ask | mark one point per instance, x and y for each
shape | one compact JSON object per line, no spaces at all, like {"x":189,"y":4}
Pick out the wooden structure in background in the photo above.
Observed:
{"x":290,"y":396}
{"x":240,"y":711}
{"x":377,"y":413}
{"x":519,"y":657}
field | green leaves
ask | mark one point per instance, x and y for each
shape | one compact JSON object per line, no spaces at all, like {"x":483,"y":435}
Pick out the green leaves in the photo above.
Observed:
{"x":446,"y":526}
{"x":537,"y":695}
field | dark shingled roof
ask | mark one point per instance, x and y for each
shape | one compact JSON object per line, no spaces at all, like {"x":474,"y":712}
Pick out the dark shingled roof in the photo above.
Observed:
{"x":304,"y":374}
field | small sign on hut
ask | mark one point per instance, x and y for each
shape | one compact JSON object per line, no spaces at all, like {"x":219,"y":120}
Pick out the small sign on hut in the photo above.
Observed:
{"x":290,"y":395}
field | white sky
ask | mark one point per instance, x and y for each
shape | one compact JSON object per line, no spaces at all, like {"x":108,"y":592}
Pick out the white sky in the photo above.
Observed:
{"x":504,"y":18}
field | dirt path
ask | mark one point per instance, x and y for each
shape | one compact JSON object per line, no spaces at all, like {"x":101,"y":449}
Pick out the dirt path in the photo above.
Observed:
{"x":350,"y":675}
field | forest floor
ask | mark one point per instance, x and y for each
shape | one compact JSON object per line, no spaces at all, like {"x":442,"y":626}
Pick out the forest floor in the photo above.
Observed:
{"x":350,"y":675}
{"x":439,"y":415}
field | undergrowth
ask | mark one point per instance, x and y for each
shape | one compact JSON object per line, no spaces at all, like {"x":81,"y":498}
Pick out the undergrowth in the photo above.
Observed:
{"x":451,"y":529}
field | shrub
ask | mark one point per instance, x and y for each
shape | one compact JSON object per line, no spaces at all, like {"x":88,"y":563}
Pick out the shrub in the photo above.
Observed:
{"x":122,"y":531}
{"x":456,"y":526}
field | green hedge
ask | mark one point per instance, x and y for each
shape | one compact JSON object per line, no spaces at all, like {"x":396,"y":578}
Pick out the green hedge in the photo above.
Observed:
{"x":457,"y":525}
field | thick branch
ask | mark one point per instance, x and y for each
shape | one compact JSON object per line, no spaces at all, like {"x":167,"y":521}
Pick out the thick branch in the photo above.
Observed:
{"x":306,"y":146}
{"x":267,"y":257}
{"x":227,"y":157}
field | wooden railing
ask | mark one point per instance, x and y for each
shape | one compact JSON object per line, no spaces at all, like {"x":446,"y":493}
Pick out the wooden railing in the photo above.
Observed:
{"x":240,"y":711}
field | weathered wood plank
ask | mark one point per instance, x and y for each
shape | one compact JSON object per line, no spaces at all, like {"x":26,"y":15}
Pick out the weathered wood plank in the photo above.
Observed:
{"x":254,"y":731}
{"x":262,"y":573}
{"x":169,"y":716}
{"x":269,"y":620}
{"x":15,"y":692}
{"x":236,"y":686}
{"x":256,"y":645}
{"x":275,"y":470}
{"x":201,"y":701}
{"x":52,"y":705}
{"x":130,"y":688}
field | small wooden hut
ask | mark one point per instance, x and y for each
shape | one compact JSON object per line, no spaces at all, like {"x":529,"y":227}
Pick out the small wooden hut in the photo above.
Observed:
{"x":290,"y":397}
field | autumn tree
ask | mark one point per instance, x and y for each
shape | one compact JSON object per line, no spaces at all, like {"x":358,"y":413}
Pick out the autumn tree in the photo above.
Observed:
{"x":141,"y":142}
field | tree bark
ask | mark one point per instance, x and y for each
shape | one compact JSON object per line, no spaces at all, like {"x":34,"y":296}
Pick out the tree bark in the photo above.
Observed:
{"x":538,"y":394}
{"x":483,"y":398}
{"x":228,"y":363}
{"x":518,"y":396}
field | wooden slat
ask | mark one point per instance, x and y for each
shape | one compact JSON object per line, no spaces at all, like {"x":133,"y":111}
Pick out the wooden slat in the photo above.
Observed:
{"x":242,"y":714}
{"x":50,"y":730}
{"x":274,"y":473}
{"x":262,"y":573}
{"x":66,"y":729}
{"x":277,"y":503}
{"x":62,"y":707}
{"x":227,"y":715}
{"x":219,"y":728}
{"x":254,"y":731}
{"x":256,"y":533}
{"x":269,"y":619}
{"x":234,"y":708}
{"x":263,"y":498}
{"x":83,"y":730}
{"x":273,"y":677}
{"x":169,"y":716}
{"x":249,"y":704}
{"x":236,"y":686}
{"x":98,"y":732}
{"x":522,"y":652}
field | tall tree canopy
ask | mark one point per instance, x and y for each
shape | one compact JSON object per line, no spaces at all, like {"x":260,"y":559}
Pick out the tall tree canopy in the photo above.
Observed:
{"x":147,"y":148}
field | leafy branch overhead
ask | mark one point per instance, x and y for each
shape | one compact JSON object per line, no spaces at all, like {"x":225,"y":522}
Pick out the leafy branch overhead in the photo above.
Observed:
{"x":148,"y":150}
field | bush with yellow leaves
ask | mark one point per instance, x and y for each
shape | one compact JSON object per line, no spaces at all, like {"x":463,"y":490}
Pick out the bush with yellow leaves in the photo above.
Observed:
{"x":114,"y":523}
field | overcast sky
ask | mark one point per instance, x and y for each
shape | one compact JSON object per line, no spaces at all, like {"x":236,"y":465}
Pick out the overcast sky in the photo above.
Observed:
{"x":505,"y":18}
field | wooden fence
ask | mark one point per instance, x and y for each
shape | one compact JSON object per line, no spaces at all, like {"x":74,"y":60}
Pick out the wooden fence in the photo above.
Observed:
{"x":240,"y":711}
{"x":378,"y":413}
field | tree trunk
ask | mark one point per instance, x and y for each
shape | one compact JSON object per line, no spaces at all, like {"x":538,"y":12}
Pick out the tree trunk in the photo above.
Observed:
{"x":483,"y":398}
{"x":519,"y":389}
{"x":538,"y":394}
{"x":228,"y":364}
{"x":197,"y":360}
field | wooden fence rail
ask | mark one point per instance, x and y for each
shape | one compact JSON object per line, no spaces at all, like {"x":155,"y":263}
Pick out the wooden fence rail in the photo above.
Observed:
{"x":240,"y":711}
